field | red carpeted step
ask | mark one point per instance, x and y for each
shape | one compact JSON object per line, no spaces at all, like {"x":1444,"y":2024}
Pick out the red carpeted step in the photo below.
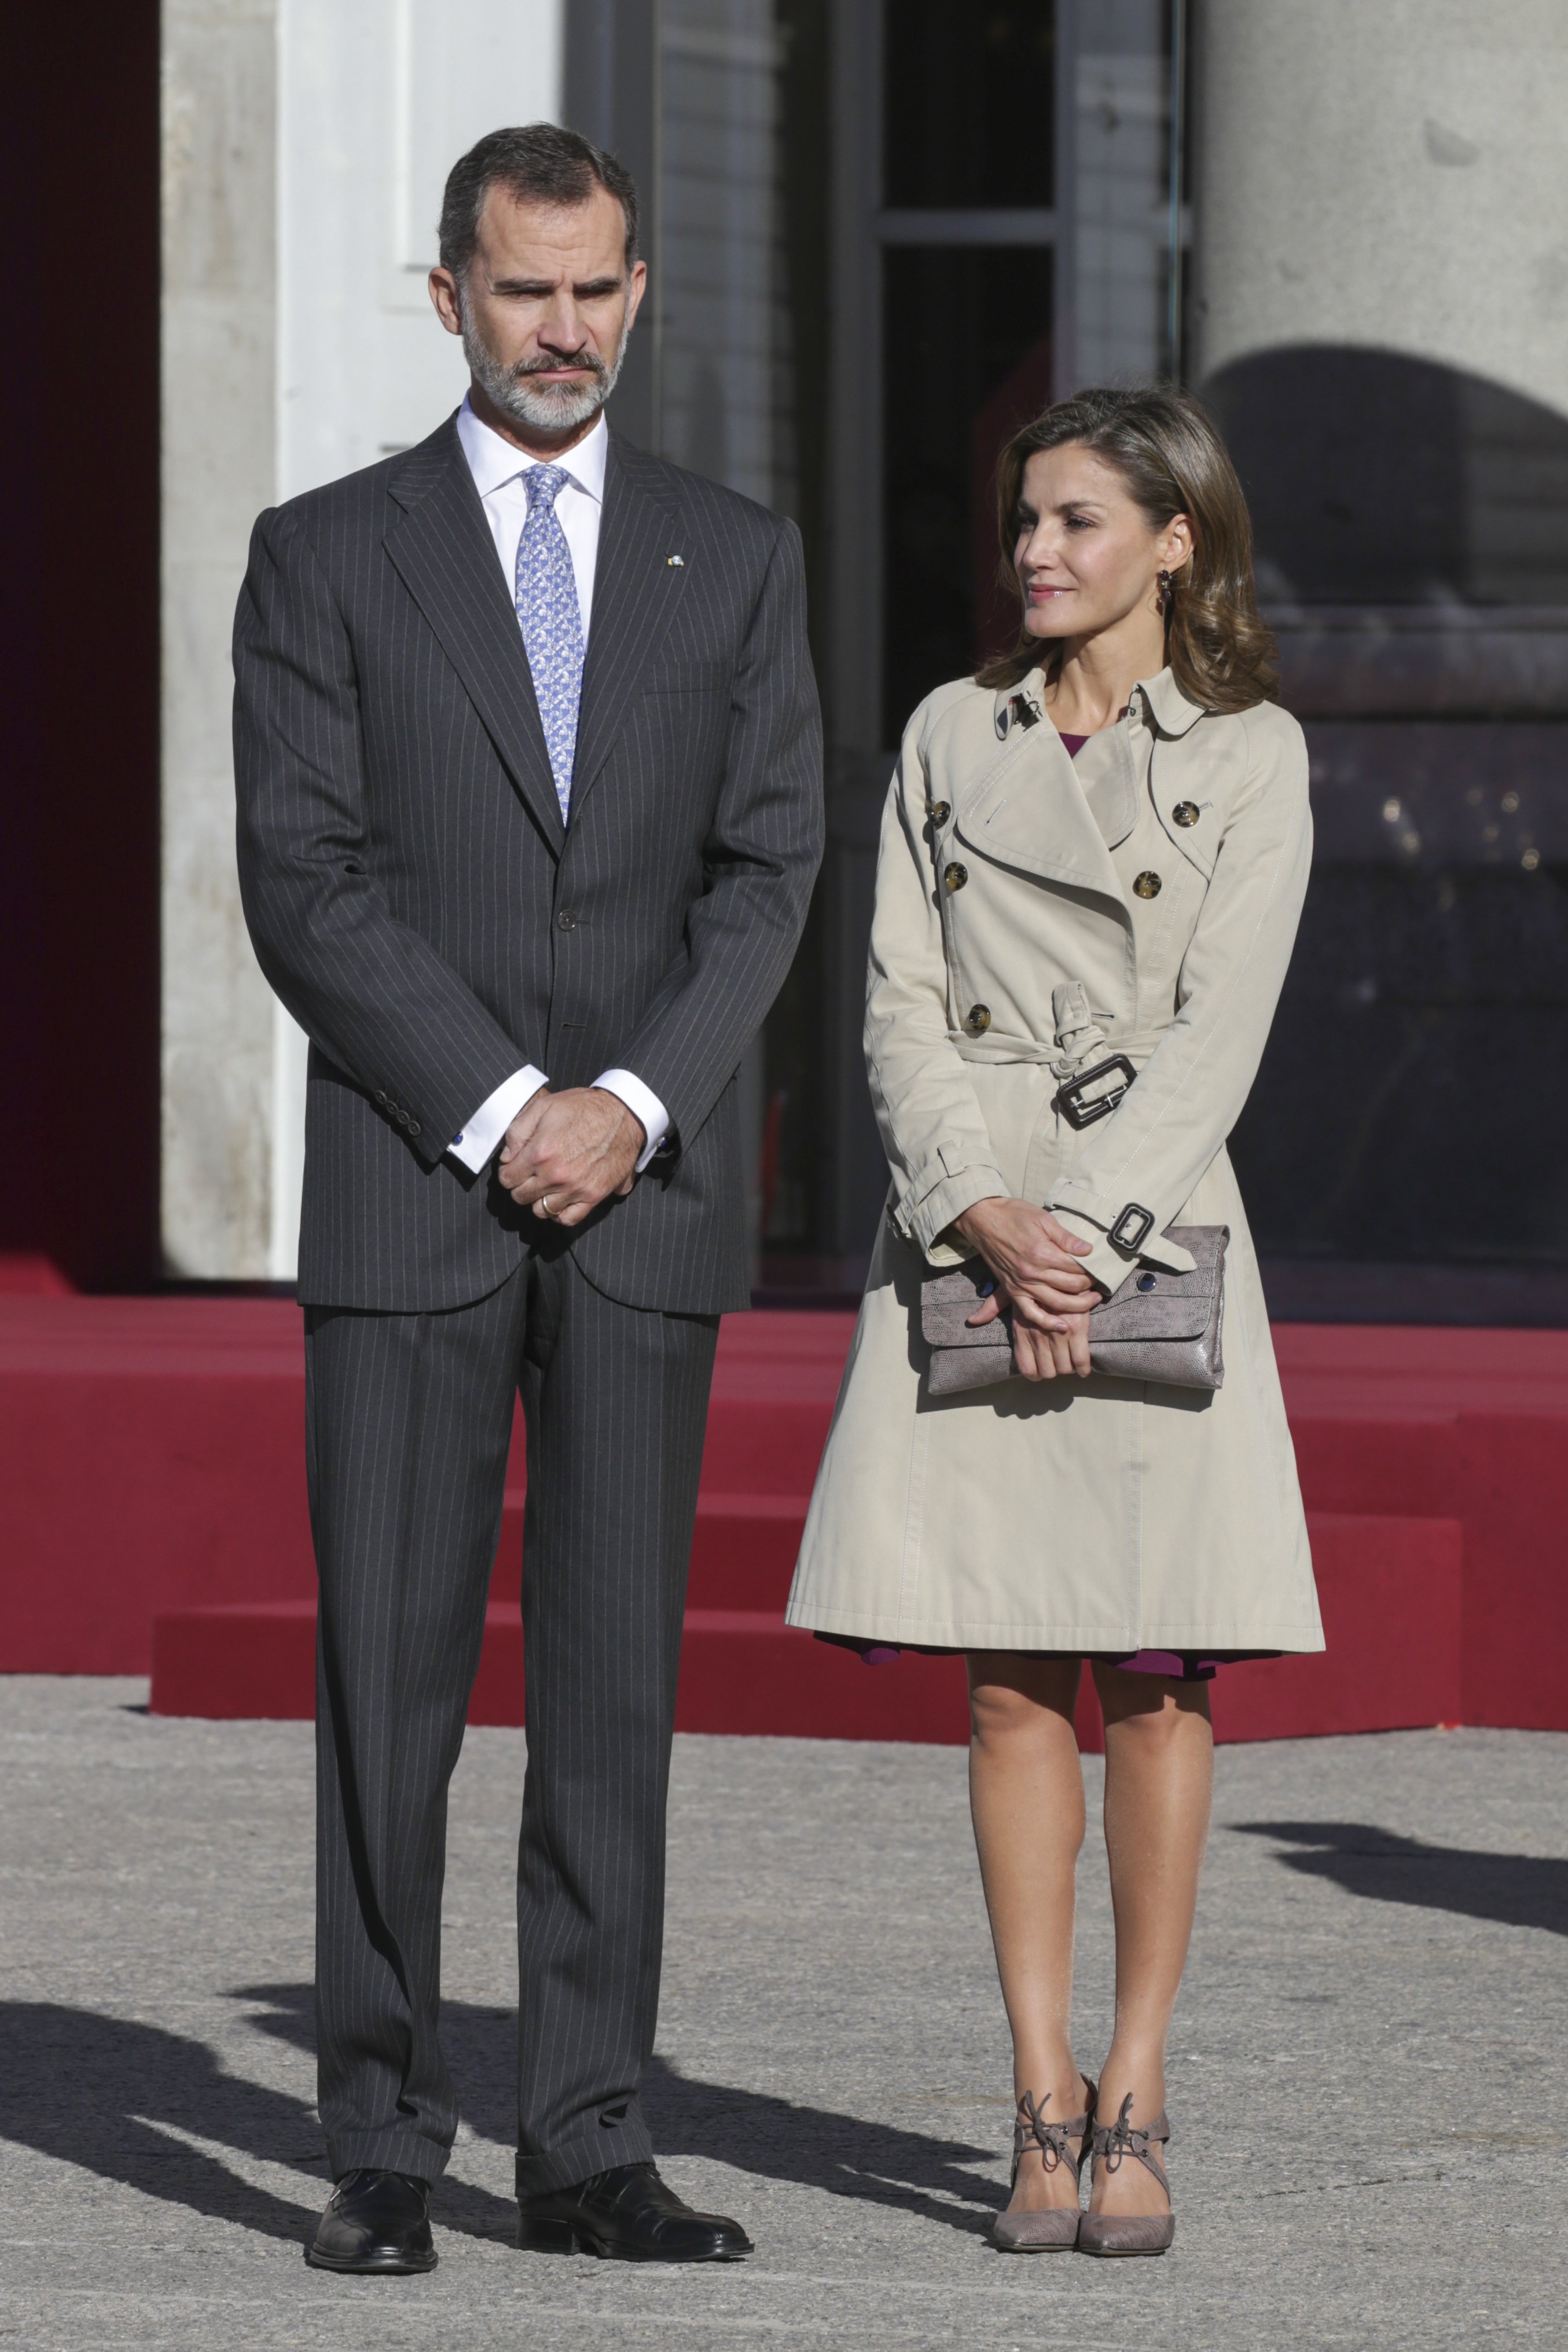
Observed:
{"x":152,"y":1457}
{"x":1390,"y":1592}
{"x":746,"y":1671}
{"x":253,"y":1662}
{"x":743,"y":1554}
{"x":744,"y":1549}
{"x":152,"y":1466}
{"x":27,"y":1274}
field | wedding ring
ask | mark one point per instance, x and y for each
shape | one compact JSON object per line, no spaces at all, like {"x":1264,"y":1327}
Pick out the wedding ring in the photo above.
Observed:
{"x":544,"y":1202}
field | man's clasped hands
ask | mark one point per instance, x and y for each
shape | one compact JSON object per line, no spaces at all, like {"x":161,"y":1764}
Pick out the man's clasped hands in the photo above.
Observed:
{"x":566,"y":1152}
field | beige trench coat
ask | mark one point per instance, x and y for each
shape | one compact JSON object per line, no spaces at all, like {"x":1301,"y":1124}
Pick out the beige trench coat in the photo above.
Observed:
{"x":1033,"y":915}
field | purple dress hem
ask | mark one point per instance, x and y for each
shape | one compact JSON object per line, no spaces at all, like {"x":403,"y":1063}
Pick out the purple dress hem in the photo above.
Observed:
{"x":1180,"y":1665}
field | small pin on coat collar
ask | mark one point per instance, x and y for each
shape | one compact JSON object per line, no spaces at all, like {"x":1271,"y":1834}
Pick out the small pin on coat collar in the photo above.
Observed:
{"x":675,"y":561}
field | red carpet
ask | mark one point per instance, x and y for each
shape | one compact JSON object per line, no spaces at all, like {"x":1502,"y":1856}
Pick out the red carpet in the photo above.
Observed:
{"x":151,"y":1496}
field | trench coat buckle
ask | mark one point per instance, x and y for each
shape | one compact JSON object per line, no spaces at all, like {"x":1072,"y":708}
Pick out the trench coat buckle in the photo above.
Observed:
{"x":1110,"y":1080}
{"x":1133,"y":1227}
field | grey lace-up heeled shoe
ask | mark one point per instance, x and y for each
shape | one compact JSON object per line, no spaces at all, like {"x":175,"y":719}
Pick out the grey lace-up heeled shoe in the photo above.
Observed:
{"x":1127,"y":2233}
{"x":1052,"y":2228}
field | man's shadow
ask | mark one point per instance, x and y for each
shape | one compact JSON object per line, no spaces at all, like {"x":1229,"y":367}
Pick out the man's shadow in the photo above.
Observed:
{"x":816,"y":2148}
{"x":1516,"y":1890}
{"x":112,"y":2096}
{"x":93,"y":2091}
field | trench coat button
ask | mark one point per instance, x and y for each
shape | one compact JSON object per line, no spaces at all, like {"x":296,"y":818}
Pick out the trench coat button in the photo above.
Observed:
{"x":940,"y":812}
{"x":1147,"y":885}
{"x":1186,"y":812}
{"x":979,"y":1019}
{"x":956,"y":876}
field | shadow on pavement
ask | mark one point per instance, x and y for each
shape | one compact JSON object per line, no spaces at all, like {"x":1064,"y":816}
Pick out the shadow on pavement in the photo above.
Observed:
{"x":1516,"y":1890}
{"x":879,"y":2163}
{"x":815,"y":2146}
{"x":93,"y":2090}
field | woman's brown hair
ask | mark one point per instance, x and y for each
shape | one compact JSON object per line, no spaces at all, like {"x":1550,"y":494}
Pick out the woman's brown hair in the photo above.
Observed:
{"x":1172,"y":460}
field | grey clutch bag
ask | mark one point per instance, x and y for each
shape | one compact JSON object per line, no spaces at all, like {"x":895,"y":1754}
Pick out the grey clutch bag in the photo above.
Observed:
{"x":1166,"y":1328}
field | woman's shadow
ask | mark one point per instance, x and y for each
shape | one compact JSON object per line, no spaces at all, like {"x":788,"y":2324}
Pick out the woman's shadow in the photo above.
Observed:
{"x":155,"y":2111}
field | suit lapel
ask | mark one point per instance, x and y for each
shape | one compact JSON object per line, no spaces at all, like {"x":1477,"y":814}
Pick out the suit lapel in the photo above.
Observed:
{"x":636,"y":592}
{"x":442,"y":550}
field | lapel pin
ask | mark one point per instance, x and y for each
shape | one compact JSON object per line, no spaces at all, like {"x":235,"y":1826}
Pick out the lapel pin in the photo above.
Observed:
{"x":676,"y":562}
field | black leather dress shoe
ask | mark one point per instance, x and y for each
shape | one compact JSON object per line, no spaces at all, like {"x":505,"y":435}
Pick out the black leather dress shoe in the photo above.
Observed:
{"x":629,"y":2214}
{"x":377,"y":2221}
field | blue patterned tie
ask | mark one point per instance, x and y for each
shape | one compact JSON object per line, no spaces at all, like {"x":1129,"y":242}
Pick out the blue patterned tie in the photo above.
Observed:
{"x":553,"y":622}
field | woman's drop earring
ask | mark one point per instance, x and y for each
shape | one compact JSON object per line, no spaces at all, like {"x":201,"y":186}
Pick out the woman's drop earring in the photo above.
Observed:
{"x":1168,"y":591}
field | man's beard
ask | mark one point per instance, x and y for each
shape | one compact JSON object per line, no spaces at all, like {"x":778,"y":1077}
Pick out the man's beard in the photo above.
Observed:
{"x":546,"y":407}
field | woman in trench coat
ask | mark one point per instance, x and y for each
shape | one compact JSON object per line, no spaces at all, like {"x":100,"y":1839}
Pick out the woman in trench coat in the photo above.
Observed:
{"x":1099,"y":847}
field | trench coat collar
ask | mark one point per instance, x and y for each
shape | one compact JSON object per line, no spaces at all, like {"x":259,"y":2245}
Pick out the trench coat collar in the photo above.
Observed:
{"x":1164,"y":702}
{"x":1167,"y":705}
{"x":1005,"y":712}
{"x":1028,"y":808}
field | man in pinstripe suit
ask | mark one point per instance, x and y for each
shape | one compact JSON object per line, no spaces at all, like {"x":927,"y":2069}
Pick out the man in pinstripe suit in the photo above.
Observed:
{"x":529,"y":781}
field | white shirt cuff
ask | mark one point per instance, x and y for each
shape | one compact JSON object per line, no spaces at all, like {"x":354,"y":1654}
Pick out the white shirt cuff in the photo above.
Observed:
{"x":475,"y":1144}
{"x":643,"y":1104}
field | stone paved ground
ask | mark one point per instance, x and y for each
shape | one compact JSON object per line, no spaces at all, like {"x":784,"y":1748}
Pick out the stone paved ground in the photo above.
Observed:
{"x":1368,"y":2083}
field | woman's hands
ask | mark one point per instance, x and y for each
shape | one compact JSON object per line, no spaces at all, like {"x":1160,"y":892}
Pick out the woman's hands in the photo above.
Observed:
{"x":1035,"y":1261}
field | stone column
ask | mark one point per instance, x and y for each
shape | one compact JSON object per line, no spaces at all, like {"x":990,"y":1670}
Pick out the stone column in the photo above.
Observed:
{"x":1380,"y":322}
{"x":219,"y":303}
{"x":307,"y":144}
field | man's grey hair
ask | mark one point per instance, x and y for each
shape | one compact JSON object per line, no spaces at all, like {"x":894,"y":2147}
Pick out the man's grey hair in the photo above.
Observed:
{"x":539,"y":163}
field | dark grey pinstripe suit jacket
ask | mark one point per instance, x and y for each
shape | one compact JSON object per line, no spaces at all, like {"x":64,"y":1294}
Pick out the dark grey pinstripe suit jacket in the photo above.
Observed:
{"x":417,"y":904}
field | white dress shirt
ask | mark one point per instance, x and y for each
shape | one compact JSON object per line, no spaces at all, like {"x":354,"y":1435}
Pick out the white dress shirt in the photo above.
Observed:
{"x":500,"y":472}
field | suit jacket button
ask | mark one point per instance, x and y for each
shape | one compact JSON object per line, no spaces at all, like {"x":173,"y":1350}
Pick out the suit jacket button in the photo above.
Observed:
{"x":956,"y":876}
{"x":565,"y":922}
{"x":1148,"y":886}
{"x":1186,"y":812}
{"x":979,"y":1019}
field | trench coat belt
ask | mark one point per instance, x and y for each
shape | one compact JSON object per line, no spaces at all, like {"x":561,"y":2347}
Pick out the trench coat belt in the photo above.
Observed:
{"x":997,"y":1045}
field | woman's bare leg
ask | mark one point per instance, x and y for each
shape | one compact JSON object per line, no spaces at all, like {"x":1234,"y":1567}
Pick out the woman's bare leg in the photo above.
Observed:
{"x":1026,"y":1794}
{"x":1159,"y":1778}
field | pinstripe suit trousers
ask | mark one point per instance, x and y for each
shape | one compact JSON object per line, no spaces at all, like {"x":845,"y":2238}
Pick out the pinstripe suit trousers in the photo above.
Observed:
{"x":408,"y":1425}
